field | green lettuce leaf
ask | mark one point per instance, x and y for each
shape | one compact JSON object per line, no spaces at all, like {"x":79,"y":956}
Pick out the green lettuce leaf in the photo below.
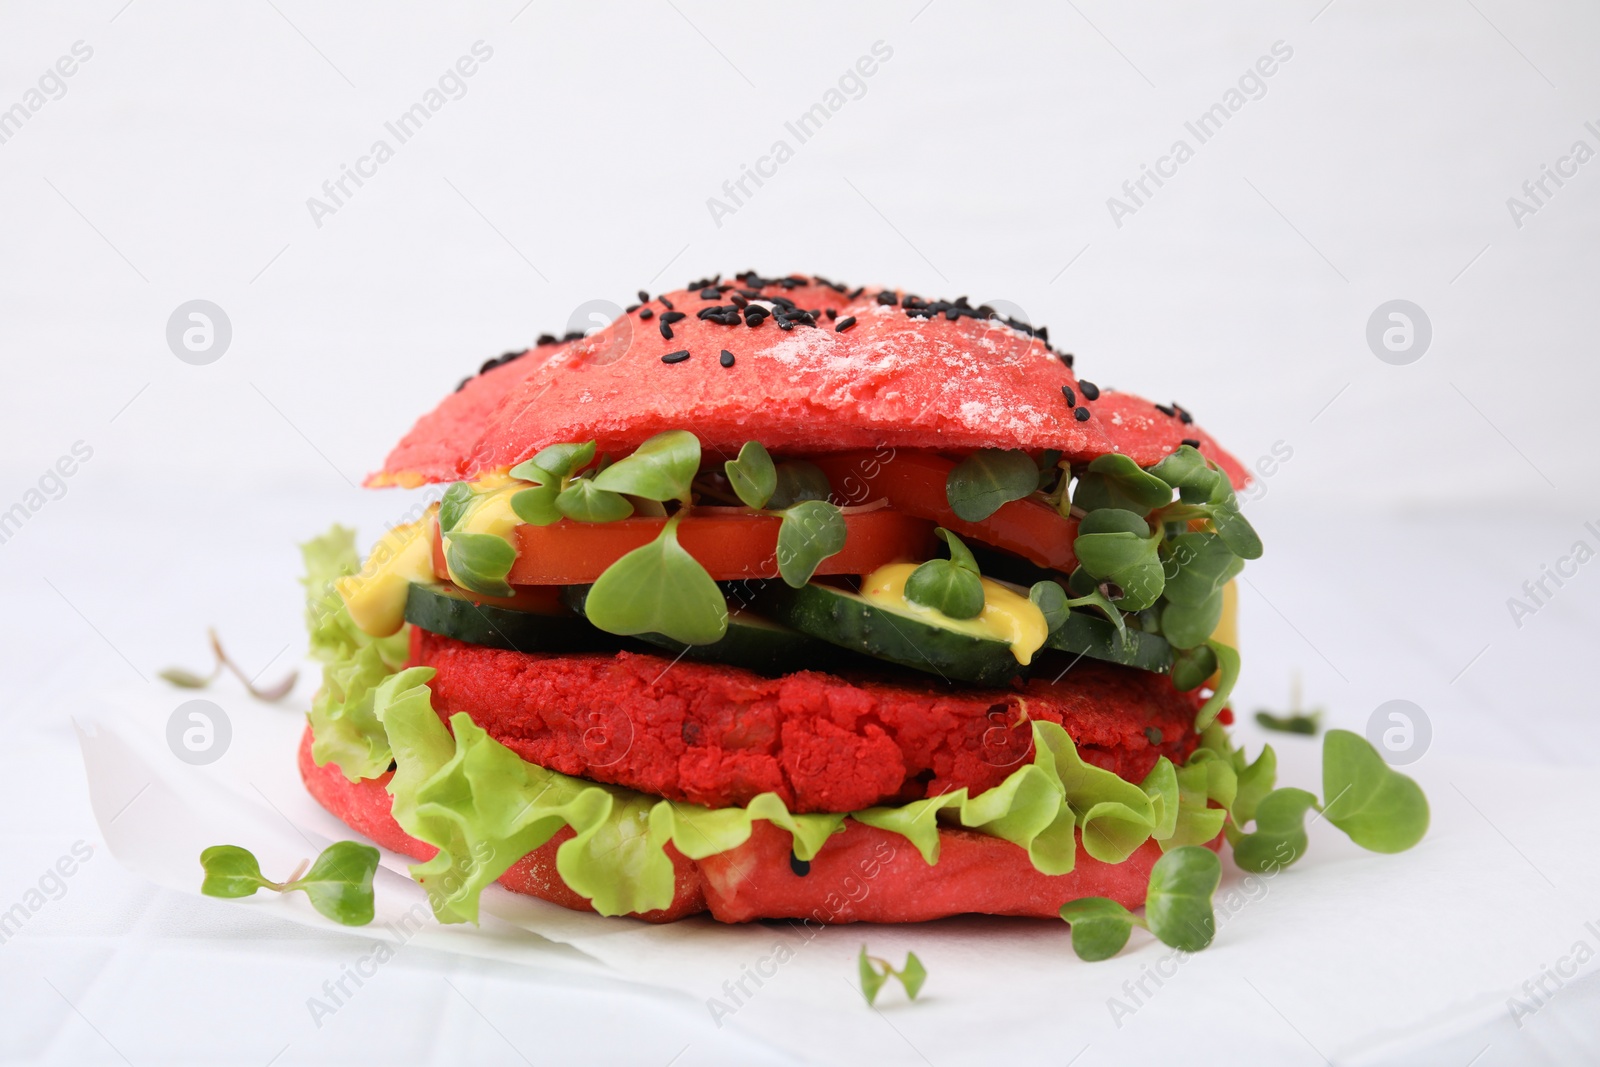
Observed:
{"x":484,"y":808}
{"x":344,"y":726}
{"x":1038,"y":807}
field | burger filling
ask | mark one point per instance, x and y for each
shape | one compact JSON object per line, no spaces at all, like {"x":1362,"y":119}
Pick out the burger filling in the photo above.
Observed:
{"x":982,"y":580}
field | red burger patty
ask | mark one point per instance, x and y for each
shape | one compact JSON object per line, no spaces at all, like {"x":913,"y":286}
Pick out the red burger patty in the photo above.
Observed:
{"x":717,"y":735}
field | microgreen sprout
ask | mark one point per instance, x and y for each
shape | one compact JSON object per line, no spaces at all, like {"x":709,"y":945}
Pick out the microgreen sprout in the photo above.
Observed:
{"x":988,"y":479}
{"x":187,"y":679}
{"x":1177,"y":908}
{"x":1296,"y":720}
{"x":338,"y":883}
{"x":951,"y":586}
{"x":874,"y":972}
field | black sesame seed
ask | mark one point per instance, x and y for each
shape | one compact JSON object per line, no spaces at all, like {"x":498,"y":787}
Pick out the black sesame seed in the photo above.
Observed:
{"x":463,"y":383}
{"x":571,"y":335}
{"x":1066,"y":391}
{"x":646,"y":313}
{"x":800,"y":867}
{"x":666,"y":329}
{"x":1190,"y":441}
{"x":726,"y":358}
{"x":887,"y":297}
{"x":675,"y":357}
{"x":672,"y":316}
{"x":667,"y":302}
{"x":844,"y":324}
{"x":832,"y":313}
{"x":710,"y":293}
{"x":1081,"y":414}
{"x":1091,"y":391}
{"x":547,"y":339}
{"x":857,"y":292}
{"x":630,"y":309}
{"x":644,"y":297}
{"x":1066,"y":358}
{"x":1183,"y":416}
{"x":740,"y":300}
{"x":1168,"y":412}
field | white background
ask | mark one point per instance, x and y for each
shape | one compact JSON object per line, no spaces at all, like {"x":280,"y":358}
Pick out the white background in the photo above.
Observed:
{"x":577,"y":166}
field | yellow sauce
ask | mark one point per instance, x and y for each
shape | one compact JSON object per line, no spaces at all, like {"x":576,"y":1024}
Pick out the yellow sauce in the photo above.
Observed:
{"x":376,"y":596}
{"x":1007,"y":616}
{"x":489,"y":512}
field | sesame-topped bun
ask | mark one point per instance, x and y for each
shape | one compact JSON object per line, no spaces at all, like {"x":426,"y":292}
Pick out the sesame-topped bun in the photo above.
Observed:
{"x":805,"y":365}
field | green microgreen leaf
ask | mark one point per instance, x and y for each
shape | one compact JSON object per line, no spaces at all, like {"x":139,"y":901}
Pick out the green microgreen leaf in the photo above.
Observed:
{"x":1380,"y":809}
{"x":662,"y":468}
{"x":1100,"y":927}
{"x":1177,"y":905}
{"x":1117,"y":545}
{"x":453,"y":505}
{"x":798,"y":480}
{"x":988,"y":479}
{"x":1255,"y":782}
{"x":1280,"y":835}
{"x":872,"y":979}
{"x":1101,"y":603}
{"x":231,"y":871}
{"x":1188,"y":471}
{"x":1051,"y":600}
{"x":185,"y":679}
{"x":584,"y":501}
{"x":913,"y":975}
{"x":1115,"y":481}
{"x":1233,"y":527}
{"x":562,"y":460}
{"x":1197,"y":568}
{"x":659,"y":588}
{"x":811,"y":531}
{"x":951,"y":586}
{"x":480,"y":562}
{"x":339,"y":883}
{"x":1192,"y":666}
{"x":752,"y":475}
{"x":874,"y":972}
{"x":1228,"y":666}
{"x":536,"y":506}
{"x":1307,"y":723}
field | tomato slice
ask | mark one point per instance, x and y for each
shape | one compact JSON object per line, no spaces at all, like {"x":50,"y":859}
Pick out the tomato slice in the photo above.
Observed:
{"x":914,"y":484}
{"x":729,"y":546}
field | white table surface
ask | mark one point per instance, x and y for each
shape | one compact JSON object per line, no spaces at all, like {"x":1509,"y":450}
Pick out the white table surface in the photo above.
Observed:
{"x":1419,"y":498}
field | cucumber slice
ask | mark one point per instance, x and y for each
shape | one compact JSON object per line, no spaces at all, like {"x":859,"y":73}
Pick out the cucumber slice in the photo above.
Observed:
{"x":444,"y":610}
{"x":751,"y":642}
{"x":851,"y":621}
{"x":1090,"y":635}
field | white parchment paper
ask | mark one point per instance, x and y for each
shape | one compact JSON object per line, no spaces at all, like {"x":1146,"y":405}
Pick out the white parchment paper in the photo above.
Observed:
{"x":1347,"y":955}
